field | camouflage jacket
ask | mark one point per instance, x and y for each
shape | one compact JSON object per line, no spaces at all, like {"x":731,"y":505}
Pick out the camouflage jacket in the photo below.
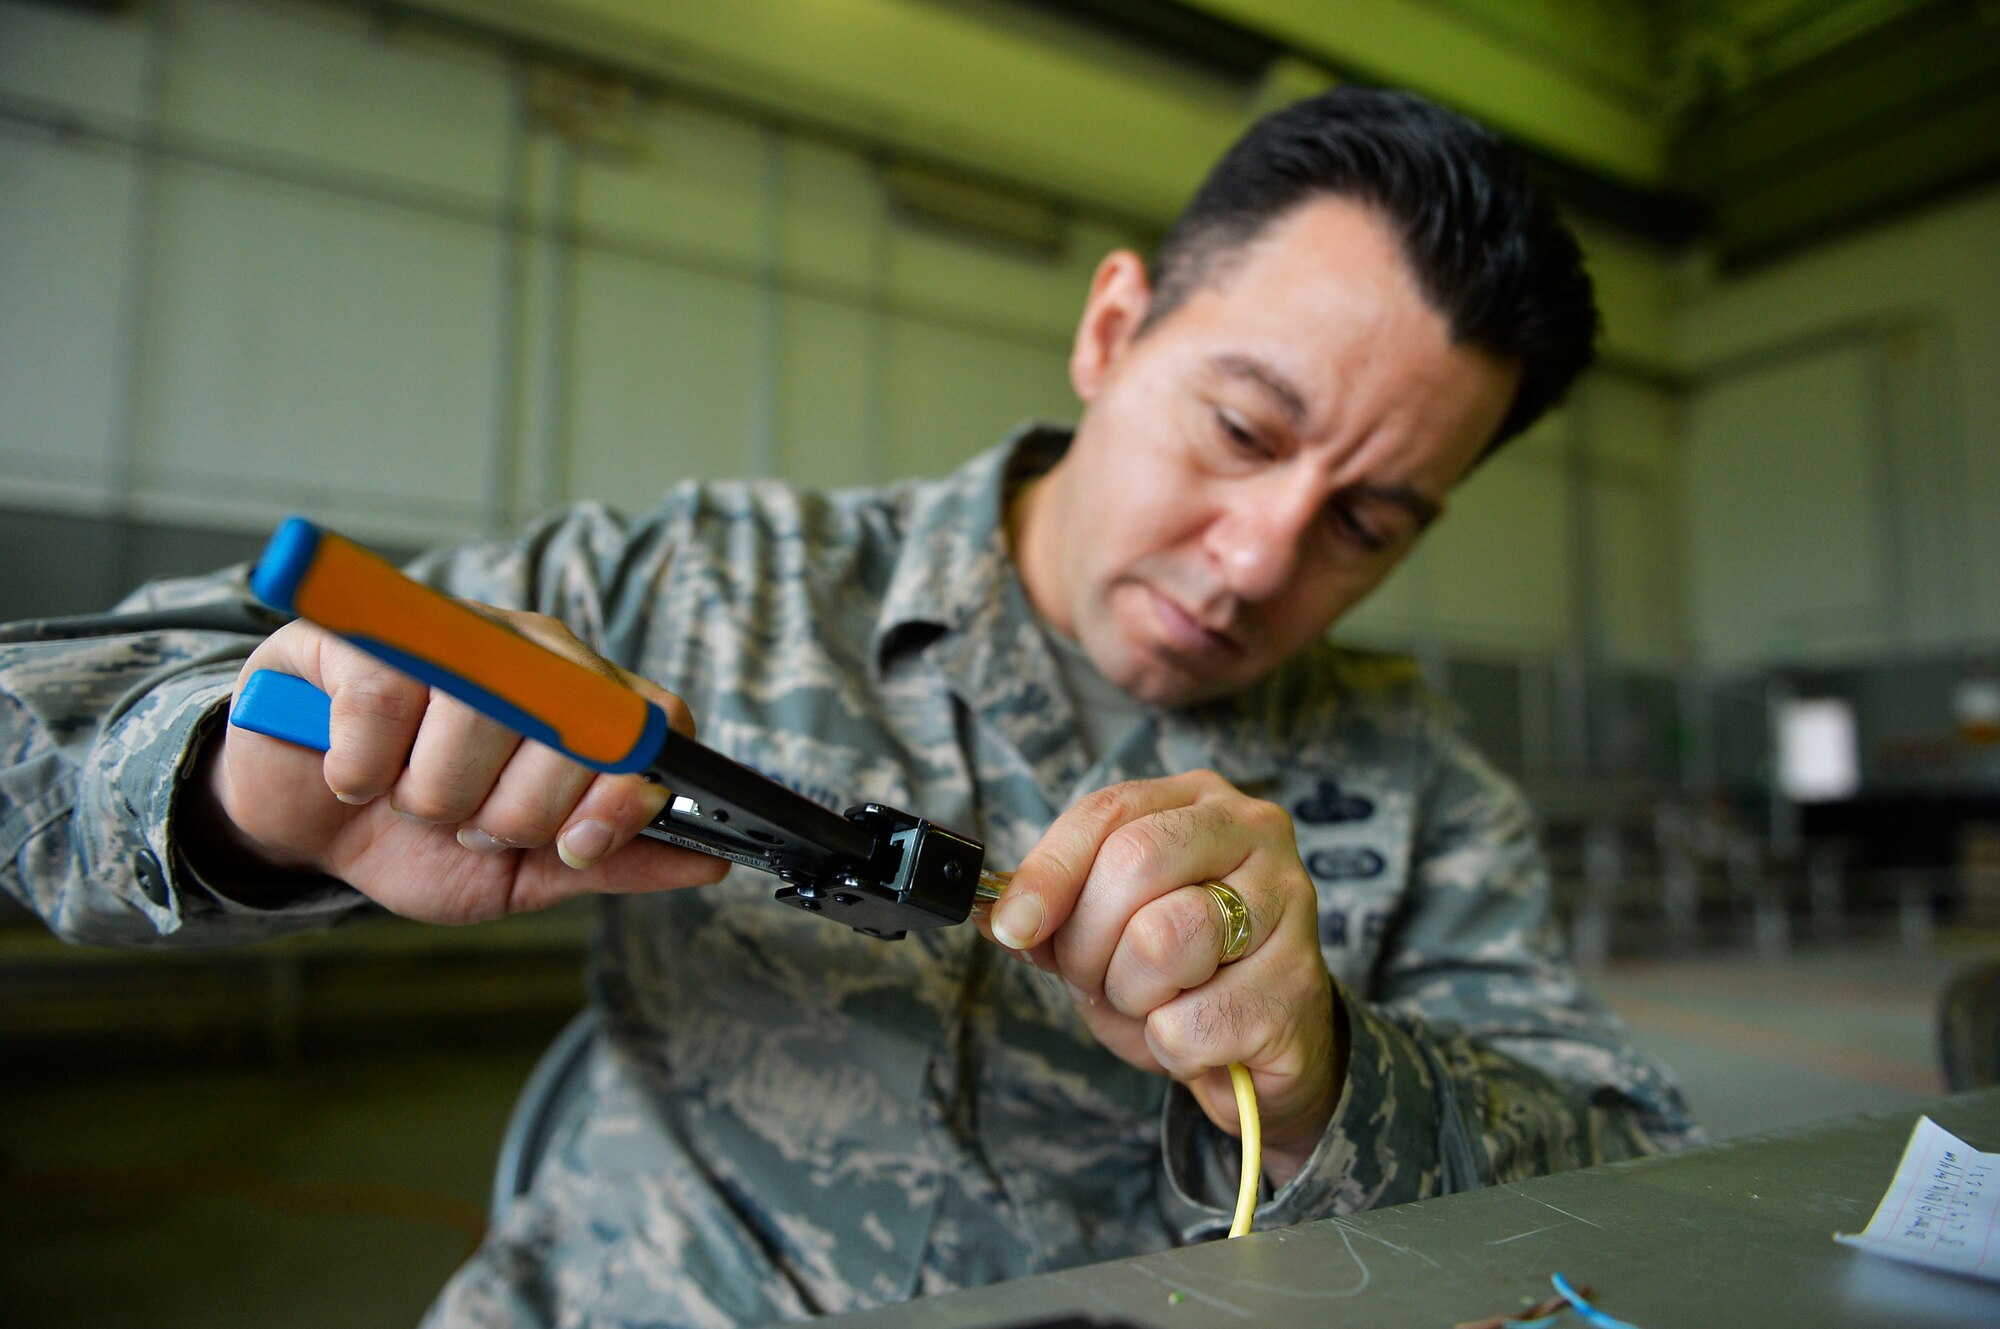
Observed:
{"x":785,"y":1118}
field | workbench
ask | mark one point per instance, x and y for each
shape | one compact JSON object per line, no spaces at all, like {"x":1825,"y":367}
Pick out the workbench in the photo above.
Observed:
{"x":1737,"y":1234}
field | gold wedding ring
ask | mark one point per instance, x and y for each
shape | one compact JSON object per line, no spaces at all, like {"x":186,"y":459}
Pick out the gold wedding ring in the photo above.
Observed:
{"x":1235,"y":920}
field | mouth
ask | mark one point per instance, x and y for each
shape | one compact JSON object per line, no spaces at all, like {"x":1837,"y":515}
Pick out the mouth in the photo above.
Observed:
{"x":1187,"y":635}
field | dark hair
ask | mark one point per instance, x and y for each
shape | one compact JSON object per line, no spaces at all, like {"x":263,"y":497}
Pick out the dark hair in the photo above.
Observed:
{"x":1484,"y":242}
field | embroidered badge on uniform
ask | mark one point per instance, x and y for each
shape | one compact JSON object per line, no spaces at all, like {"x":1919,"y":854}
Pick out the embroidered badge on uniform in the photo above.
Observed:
{"x":1353,"y":863}
{"x":1340,"y":930}
{"x":1329,"y":805}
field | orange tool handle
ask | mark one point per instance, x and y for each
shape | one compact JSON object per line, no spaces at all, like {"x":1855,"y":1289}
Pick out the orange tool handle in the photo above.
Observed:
{"x":550,"y":698}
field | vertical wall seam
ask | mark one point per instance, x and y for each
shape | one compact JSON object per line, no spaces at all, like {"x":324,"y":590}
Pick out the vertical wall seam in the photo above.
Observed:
{"x":766,"y":373}
{"x":555,"y":366}
{"x":503,"y":486}
{"x":141,"y":291}
{"x":875,"y":392}
{"x":1888,"y":490}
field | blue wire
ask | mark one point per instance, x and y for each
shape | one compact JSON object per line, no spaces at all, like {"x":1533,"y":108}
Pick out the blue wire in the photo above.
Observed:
{"x":1584,"y":1308}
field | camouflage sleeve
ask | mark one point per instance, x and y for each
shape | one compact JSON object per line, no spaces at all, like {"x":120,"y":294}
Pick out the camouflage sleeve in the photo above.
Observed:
{"x":101,"y":717}
{"x":1479,"y":1059}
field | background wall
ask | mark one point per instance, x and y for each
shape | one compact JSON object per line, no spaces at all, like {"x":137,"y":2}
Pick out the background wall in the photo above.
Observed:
{"x":1843,"y":447}
{"x":423,"y":282}
{"x":258,"y":257}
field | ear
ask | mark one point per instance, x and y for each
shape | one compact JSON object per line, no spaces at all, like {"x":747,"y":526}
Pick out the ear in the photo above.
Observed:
{"x":1120,"y":294}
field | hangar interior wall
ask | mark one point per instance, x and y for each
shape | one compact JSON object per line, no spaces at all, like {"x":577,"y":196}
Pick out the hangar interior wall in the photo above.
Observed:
{"x":259,"y":256}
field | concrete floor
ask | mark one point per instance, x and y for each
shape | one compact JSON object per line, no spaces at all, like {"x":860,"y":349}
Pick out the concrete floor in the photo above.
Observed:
{"x":1760,"y":1044}
{"x":337,"y":1193}
{"x":343,"y":1190}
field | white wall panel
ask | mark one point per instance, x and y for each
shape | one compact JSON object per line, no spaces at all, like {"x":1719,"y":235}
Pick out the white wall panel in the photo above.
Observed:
{"x":827,"y":421}
{"x":953,"y":393}
{"x":311,"y":350}
{"x":86,"y":62}
{"x":316,"y":82}
{"x":831,"y":215}
{"x":1933,"y":275}
{"x":1784,"y":526}
{"x":1496,"y":567}
{"x":312,"y":345}
{"x":694,"y":182}
{"x":1931,"y":498}
{"x":1633,"y":433}
{"x":65,"y":251}
{"x":1638,"y":571}
{"x":662,"y":372}
{"x":932,"y":270}
{"x":1631,"y":424}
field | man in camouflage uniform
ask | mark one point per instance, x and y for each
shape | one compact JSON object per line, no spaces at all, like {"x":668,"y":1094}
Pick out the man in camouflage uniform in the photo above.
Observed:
{"x":1100,"y":653}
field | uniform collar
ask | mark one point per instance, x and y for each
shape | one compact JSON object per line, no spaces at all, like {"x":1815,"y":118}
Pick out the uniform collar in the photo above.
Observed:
{"x":956,"y":597}
{"x":954,"y":564}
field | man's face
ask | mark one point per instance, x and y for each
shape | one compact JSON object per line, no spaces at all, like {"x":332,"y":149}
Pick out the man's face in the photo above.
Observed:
{"x":1257,"y":462}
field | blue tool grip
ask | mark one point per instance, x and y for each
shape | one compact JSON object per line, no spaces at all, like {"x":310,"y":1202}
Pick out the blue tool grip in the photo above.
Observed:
{"x":287,"y":557}
{"x":286,"y":707}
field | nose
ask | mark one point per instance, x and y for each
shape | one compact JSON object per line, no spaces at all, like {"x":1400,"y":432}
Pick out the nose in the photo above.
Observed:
{"x":1257,"y":537}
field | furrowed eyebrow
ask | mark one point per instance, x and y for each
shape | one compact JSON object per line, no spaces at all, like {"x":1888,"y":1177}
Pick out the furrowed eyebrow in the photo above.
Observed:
{"x":1290,"y":400}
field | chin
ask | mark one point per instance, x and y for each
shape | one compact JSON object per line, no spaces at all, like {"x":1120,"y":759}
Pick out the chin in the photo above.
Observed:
{"x":1150,"y":679}
{"x":1167,"y":687}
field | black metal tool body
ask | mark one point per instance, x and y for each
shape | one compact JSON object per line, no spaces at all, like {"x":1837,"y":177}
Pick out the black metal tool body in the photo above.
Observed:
{"x":879,"y":870}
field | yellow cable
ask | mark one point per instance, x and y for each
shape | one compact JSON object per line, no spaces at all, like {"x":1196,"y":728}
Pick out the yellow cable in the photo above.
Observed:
{"x":991,"y":885}
{"x":1253,"y":1148}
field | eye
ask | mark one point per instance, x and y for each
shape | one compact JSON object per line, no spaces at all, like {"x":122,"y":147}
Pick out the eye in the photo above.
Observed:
{"x":1237,"y":433}
{"x":1357,"y":528}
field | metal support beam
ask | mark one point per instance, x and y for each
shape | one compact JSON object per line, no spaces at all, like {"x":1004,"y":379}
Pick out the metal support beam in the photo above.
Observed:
{"x":1425,"y":46}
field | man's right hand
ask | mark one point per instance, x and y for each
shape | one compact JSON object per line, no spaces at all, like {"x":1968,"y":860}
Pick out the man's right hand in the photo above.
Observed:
{"x":423,"y":804}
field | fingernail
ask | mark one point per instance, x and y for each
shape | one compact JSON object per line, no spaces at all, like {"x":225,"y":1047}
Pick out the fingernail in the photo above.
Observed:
{"x":1017,"y":920}
{"x":584,"y":843}
{"x":479,"y":842}
{"x":1078,"y":995}
{"x":352,"y":800}
{"x":406,"y":815}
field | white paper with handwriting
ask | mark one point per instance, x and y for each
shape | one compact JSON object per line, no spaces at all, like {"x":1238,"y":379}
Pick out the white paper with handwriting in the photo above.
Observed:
{"x":1943,"y":1208}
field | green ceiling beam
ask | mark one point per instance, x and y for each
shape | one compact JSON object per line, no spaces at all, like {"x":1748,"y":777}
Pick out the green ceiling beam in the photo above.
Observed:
{"x":1020,"y":100}
{"x":1524,"y":92}
{"x":1785,"y":124}
{"x":1949,"y":150}
{"x":1023,"y":95}
{"x":942,"y":83}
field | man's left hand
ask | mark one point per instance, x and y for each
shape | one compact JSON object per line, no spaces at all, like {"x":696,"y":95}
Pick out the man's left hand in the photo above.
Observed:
{"x":1110,"y":901}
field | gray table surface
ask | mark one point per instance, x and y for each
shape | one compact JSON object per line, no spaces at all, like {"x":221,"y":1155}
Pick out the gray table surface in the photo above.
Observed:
{"x":1739,"y":1234}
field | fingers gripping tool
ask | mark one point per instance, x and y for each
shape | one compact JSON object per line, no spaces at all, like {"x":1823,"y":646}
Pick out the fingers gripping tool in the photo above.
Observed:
{"x":881,"y":871}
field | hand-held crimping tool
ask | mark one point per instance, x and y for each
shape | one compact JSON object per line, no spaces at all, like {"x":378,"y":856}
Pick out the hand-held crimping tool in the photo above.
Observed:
{"x":878,"y":870}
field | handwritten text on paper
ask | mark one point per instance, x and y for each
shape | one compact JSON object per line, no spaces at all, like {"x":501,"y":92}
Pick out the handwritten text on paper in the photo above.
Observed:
{"x":1941,"y":1210}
